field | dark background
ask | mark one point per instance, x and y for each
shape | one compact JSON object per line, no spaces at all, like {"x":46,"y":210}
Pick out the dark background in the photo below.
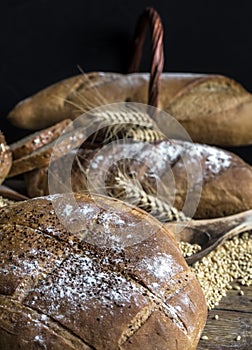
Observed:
{"x":43,"y":41}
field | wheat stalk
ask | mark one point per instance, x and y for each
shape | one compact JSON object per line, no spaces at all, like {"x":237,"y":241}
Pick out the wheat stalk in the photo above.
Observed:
{"x":130,"y":190}
{"x":128,"y":122}
{"x":144,"y":134}
{"x":123,"y":121}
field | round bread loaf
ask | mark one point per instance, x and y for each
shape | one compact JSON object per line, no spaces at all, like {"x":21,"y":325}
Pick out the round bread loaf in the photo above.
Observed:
{"x":5,"y":158}
{"x":64,"y":290}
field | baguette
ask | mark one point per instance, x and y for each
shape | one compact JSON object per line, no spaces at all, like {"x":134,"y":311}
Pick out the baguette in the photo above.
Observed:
{"x":42,"y":156}
{"x":35,"y":141}
{"x":58,"y":290}
{"x":226,"y":179}
{"x":213,"y":109}
{"x":5,"y":158}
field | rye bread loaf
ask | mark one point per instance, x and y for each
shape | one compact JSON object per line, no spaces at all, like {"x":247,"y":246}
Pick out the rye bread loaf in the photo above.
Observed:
{"x":42,"y":156}
{"x":213,"y":109}
{"x":32,"y":142}
{"x":95,"y":288}
{"x":225,"y":178}
{"x":5,"y":158}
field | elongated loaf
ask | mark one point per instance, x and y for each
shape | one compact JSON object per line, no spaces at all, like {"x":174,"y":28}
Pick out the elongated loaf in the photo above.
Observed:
{"x":119,"y":282}
{"x":226,"y":179}
{"x":32,"y":142}
{"x":42,"y":156}
{"x":213,"y":109}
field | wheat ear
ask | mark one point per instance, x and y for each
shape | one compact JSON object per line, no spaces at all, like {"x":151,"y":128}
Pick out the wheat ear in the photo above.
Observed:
{"x":130,"y":190}
{"x":144,"y":134}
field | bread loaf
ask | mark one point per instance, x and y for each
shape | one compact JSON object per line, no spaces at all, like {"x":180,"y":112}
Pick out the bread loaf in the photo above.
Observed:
{"x":96,"y":288}
{"x":226,"y":179}
{"x":212,"y":108}
{"x":32,"y":142}
{"x":5,"y":158}
{"x":36,"y":181}
{"x":42,"y":156}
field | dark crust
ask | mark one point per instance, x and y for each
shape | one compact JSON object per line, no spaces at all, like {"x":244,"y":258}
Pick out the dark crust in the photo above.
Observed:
{"x":106,"y":295}
{"x":5,"y":158}
{"x":226,"y":179}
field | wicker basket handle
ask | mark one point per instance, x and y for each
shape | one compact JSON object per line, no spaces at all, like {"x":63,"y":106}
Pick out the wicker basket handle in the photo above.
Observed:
{"x":150,"y":16}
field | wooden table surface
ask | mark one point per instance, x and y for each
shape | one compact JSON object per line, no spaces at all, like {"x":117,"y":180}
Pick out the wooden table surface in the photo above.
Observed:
{"x":235,"y":319}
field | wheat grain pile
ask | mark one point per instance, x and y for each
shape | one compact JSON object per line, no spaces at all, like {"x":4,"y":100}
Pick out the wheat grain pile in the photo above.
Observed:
{"x":228,"y":267}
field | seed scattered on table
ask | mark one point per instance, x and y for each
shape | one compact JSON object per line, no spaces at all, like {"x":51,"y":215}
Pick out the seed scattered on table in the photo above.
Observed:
{"x":204,"y":337}
{"x":229,"y":263}
{"x":237,"y":287}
